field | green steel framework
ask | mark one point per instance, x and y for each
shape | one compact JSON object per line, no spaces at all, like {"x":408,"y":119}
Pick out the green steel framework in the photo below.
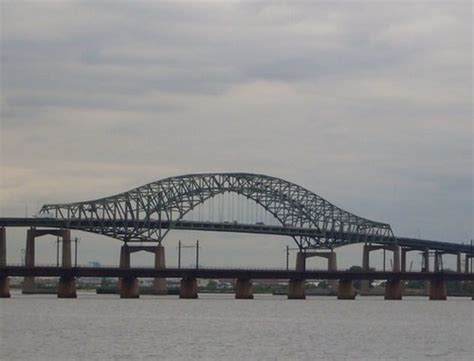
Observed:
{"x":139,"y":214}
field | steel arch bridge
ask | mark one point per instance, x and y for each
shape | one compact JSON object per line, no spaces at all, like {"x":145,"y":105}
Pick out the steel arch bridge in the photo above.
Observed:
{"x":148,"y":213}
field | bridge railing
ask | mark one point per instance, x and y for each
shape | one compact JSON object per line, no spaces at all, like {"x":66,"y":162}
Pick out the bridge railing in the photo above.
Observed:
{"x":278,"y":269}
{"x":183,"y":268}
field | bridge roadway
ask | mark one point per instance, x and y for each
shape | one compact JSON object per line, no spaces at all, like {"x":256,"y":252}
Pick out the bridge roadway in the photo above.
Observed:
{"x":87,"y":225}
{"x":226,"y":273}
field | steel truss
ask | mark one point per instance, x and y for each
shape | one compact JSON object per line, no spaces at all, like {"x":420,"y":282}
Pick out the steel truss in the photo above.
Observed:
{"x":138,"y":215}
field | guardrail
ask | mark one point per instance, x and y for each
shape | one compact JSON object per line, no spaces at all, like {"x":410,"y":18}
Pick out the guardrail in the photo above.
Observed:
{"x":216,"y":273}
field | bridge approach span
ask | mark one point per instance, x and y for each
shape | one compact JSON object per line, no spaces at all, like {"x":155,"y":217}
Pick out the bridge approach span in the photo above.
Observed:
{"x":90,"y":225}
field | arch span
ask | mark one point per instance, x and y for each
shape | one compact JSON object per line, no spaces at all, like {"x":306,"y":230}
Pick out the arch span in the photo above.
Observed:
{"x":139,"y":214}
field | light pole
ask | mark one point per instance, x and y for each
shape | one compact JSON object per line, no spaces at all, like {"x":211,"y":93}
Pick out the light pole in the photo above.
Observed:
{"x":179,"y":254}
{"x":180,"y":247}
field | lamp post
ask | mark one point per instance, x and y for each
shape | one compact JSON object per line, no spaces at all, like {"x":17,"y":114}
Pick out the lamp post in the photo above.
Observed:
{"x":180,"y":247}
{"x":179,"y":254}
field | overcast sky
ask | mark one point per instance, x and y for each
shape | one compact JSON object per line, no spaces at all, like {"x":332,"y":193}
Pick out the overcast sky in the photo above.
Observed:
{"x":368,"y":104}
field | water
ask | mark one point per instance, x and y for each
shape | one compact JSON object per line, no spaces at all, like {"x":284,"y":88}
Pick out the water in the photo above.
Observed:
{"x":217,"y":327}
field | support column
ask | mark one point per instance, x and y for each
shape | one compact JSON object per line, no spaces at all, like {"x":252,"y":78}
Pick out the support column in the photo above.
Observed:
{"x":396,"y":258}
{"x":426,"y":261}
{"x":66,"y":261}
{"x":403,"y":265}
{"x":438,"y":289}
{"x":243,"y":289}
{"x":393,"y":290}
{"x":188,"y":288}
{"x":426,"y":268}
{"x":3,"y":247}
{"x":300,"y":261}
{"x":4,"y":282}
{"x":159,"y":284}
{"x":67,"y":287}
{"x":364,"y":284}
{"x":29,"y":281}
{"x":4,"y":287}
{"x":330,"y":255}
{"x":124,"y":262}
{"x":332,"y":266}
{"x":296,"y":290}
{"x":67,"y":284}
{"x":458,"y":263}
{"x":129,"y":288}
{"x":345,"y":290}
{"x":124,"y":257}
{"x":437,"y":261}
{"x":466,"y":263}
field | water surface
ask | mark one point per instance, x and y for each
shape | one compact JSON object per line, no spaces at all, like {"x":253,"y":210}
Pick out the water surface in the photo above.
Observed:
{"x":217,"y":327}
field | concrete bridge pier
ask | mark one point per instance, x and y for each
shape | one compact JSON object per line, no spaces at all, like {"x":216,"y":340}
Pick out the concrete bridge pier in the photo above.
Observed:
{"x":396,"y":257}
{"x":4,"y":281}
{"x":364,"y":284}
{"x":467,"y":260}
{"x":188,"y":288}
{"x":366,"y":261}
{"x":300,"y":261}
{"x":438,"y":261}
{"x":426,"y":261}
{"x":243,"y":289}
{"x":129,"y":288}
{"x":332,"y":266}
{"x":296,"y":290}
{"x":66,"y":256}
{"x":393,"y":290}
{"x":403,"y":265}
{"x":124,"y":261}
{"x":31,"y":235}
{"x":458,"y":263}
{"x":345,"y":290}
{"x":426,"y":268}
{"x":159,"y":284}
{"x":124,"y":256}
{"x":329,"y":255}
{"x":29,"y":282}
{"x":67,"y":287}
{"x":438,"y":290}
{"x":4,"y":287}
{"x":67,"y":284}
{"x":403,"y":262}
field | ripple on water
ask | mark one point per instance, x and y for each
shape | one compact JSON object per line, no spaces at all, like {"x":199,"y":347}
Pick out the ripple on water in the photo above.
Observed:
{"x":217,"y":327}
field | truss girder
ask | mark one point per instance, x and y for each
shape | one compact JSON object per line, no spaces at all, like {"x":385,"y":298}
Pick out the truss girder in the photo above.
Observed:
{"x":136,"y":215}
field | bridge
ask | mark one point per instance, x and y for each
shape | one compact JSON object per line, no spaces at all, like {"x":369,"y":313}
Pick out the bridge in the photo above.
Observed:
{"x":148,"y":213}
{"x":277,"y":230}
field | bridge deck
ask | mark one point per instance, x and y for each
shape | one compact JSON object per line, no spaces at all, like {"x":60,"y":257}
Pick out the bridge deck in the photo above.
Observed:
{"x":413,"y":243}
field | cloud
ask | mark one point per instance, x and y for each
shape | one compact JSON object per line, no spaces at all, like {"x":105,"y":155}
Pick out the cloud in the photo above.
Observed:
{"x":369,"y":105}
